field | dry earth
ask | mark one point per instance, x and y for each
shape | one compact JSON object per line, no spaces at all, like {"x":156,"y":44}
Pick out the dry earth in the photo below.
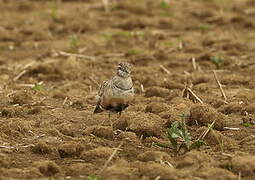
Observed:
{"x":47,"y":128}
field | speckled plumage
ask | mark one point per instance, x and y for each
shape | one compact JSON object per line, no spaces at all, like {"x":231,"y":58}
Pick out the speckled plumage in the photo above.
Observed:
{"x":117,"y":93}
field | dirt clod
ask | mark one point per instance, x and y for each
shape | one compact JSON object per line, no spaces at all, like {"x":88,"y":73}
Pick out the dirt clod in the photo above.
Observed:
{"x":214,"y":173}
{"x":215,"y":137}
{"x":100,"y":154}
{"x":146,"y":124}
{"x":153,"y":170}
{"x":41,"y":148}
{"x":204,"y":115}
{"x":156,"y":108}
{"x":194,"y":158}
{"x":78,"y":169}
{"x":157,"y":91}
{"x":156,"y":156}
{"x":244,"y":164}
{"x":47,"y":168}
{"x":55,"y":55}
{"x":70,"y":150}
{"x":120,"y":170}
{"x":100,"y":131}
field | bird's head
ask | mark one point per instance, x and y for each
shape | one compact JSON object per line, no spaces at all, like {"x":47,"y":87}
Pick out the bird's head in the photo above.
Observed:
{"x":124,"y":69}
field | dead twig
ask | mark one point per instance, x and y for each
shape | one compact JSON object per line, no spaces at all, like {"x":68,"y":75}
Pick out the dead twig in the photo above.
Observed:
{"x":110,"y":158}
{"x":220,"y":86}
{"x":114,"y":55}
{"x":194,"y":63}
{"x":202,"y":136}
{"x":164,"y":69}
{"x":230,"y":128}
{"x":187,"y":92}
{"x":26,"y":85}
{"x":77,"y":55}
{"x":7,"y":147}
{"x":19,"y":75}
{"x":239,"y":175}
{"x":157,"y":178}
{"x":65,"y":100}
{"x":142,"y":88}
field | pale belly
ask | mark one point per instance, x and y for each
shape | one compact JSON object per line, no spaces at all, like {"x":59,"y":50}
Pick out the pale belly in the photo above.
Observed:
{"x":114,"y":101}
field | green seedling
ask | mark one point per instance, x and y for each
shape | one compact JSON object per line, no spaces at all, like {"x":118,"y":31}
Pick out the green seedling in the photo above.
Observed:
{"x":217,"y":60}
{"x":169,"y":44}
{"x":124,"y":34}
{"x":179,"y":137}
{"x":205,"y":27}
{"x":54,"y":13}
{"x":94,"y":177}
{"x":74,"y":42}
{"x":140,"y":35}
{"x":107,"y":36}
{"x":247,"y":124}
{"x":114,"y":7}
{"x":37,"y":87}
{"x":164,"y":4}
{"x":132,"y":52}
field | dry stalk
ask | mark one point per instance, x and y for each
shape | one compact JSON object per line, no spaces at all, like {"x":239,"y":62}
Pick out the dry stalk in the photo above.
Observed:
{"x":164,"y":69}
{"x":157,"y":178}
{"x":239,"y":175}
{"x":114,"y":55}
{"x":110,"y":158}
{"x":142,"y":88}
{"x":220,"y":86}
{"x":19,"y":75}
{"x":77,"y":55}
{"x":7,"y":147}
{"x":25,"y":85}
{"x":230,"y":128}
{"x":194,"y":64}
{"x":65,"y":100}
{"x":202,"y":136}
{"x":194,"y":95}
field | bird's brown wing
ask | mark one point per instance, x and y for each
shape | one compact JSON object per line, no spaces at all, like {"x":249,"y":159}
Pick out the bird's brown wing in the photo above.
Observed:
{"x":100,"y":93}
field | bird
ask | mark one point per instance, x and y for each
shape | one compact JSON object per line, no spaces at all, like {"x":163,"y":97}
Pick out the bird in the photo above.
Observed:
{"x":116,"y":94}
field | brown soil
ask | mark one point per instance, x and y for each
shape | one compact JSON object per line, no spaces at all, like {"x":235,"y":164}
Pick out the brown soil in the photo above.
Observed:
{"x":48,"y":128}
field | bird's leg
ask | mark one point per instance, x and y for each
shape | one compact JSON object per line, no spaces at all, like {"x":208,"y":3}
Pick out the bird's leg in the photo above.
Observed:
{"x":119,"y":114}
{"x":109,"y":116}
{"x":102,"y":122}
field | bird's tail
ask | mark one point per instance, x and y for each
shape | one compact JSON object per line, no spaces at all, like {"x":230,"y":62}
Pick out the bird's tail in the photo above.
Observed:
{"x":98,"y":109}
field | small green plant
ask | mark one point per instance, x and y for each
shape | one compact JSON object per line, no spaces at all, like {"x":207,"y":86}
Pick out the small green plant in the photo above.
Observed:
{"x":125,"y":34}
{"x":54,"y":13}
{"x":169,"y":44}
{"x":51,"y":178}
{"x":132,"y":52}
{"x":140,"y":35}
{"x":205,"y":27}
{"x":107,"y":36}
{"x":37,"y":87}
{"x":74,"y":42}
{"x":164,"y":4}
{"x":247,"y":124}
{"x":114,"y":7}
{"x":217,"y":60}
{"x":94,"y":177}
{"x":179,"y":137}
